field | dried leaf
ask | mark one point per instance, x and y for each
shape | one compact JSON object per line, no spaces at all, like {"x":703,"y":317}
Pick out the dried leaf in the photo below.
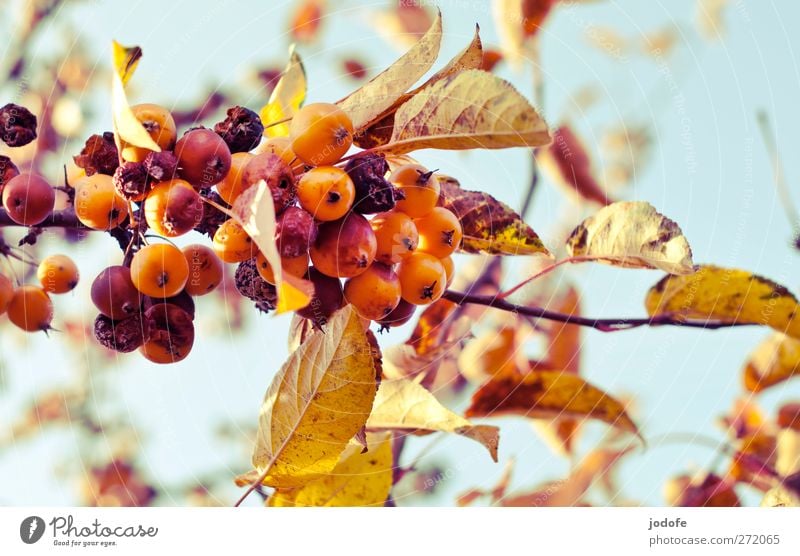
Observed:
{"x":726,"y":295}
{"x":432,"y":322}
{"x":318,"y":401}
{"x":489,"y":226}
{"x":126,"y":127}
{"x":379,"y":132}
{"x":359,"y":479}
{"x":495,"y":353}
{"x":633,"y":235}
{"x":404,"y":405}
{"x":255,"y":211}
{"x":286,"y":98}
{"x":370,"y":101}
{"x":568,"y":163}
{"x":403,"y":361}
{"x":775,"y":360}
{"x":472,"y":109}
{"x":548,"y":394}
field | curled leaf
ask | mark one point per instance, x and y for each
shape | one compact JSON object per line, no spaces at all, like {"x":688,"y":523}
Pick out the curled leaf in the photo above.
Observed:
{"x":404,"y":405}
{"x":127,"y":127}
{"x":548,"y":394}
{"x":726,"y":295}
{"x":633,"y":235}
{"x":286,"y":98}
{"x":317,"y":402}
{"x":775,"y":360}
{"x":489,"y":226}
{"x":472,"y":109}
{"x":371,"y":100}
{"x":361,"y":478}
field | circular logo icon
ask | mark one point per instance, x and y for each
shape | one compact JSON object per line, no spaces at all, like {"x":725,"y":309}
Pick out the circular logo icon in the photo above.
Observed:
{"x":31,"y":529}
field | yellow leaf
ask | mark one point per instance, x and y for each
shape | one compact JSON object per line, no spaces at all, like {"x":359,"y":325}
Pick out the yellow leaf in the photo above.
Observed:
{"x":359,"y":479}
{"x":368,"y":102}
{"x":255,"y":211}
{"x":545,"y":395}
{"x":488,"y":225}
{"x":317,"y":402}
{"x":726,"y":295}
{"x":634,"y":235}
{"x":405,"y":405}
{"x":379,"y":132}
{"x":472,"y":109}
{"x":126,"y":127}
{"x":287,"y":97}
{"x":774,"y":360}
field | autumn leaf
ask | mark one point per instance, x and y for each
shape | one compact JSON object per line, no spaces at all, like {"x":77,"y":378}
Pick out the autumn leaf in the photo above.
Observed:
{"x":286,"y":98}
{"x":404,"y":405}
{"x":402,"y":361}
{"x":305,"y":20}
{"x":709,"y":491}
{"x":127,"y":128}
{"x":368,"y":102}
{"x":318,"y":401}
{"x":255,"y":211}
{"x":432,"y":322}
{"x":379,"y":132}
{"x":488,"y":225}
{"x":472,"y":109}
{"x":548,"y":394}
{"x":359,"y":479}
{"x":632,"y":234}
{"x":726,"y":295}
{"x":567,"y":162}
{"x":775,"y":360}
{"x":402,"y":24}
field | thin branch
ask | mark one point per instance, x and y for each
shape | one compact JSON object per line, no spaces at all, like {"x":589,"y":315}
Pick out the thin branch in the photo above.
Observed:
{"x":778,"y":174}
{"x":603,"y":325}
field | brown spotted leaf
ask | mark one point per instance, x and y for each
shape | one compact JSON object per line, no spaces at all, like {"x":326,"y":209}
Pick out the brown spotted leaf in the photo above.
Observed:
{"x":472,"y":109}
{"x":546,"y":395}
{"x":489,"y":226}
{"x":726,"y":295}
{"x":775,"y":360}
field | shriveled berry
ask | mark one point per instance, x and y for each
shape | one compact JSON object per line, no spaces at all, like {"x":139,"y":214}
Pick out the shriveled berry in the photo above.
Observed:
{"x":99,"y":155}
{"x":17,"y":125}
{"x":212,"y":216}
{"x":241,"y":130}
{"x":251,"y":285}
{"x":131,"y":180}
{"x":328,"y":298}
{"x":169,"y":333}
{"x":374,"y":193}
{"x":8,"y":170}
{"x":295,"y":233}
{"x":123,"y":336}
{"x":161,"y":166}
{"x":278,"y":176}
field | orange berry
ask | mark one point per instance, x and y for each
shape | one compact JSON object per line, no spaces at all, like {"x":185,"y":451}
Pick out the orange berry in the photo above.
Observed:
{"x":422,"y":278}
{"x":232,"y":185}
{"x":374,"y":293}
{"x":205,"y":269}
{"x":396,"y":234}
{"x":6,"y":292}
{"x":296,"y":266}
{"x":232,"y":244}
{"x":30,"y":309}
{"x":344,"y":248}
{"x":97,"y":203}
{"x":327,"y":192}
{"x":28,"y":199}
{"x":282,"y":146}
{"x":420,"y":188}
{"x":321,"y":134}
{"x":58,"y":274}
{"x":449,"y":269}
{"x":439,"y":232}
{"x":173,"y":208}
{"x":159,"y":123}
{"x":159,"y":270}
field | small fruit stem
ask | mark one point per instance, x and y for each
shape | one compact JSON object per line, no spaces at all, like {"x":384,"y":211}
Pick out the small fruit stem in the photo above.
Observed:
{"x":545,"y":270}
{"x":279,"y":122}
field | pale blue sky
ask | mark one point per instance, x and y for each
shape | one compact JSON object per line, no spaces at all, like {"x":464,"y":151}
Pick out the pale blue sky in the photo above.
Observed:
{"x":709,"y":172}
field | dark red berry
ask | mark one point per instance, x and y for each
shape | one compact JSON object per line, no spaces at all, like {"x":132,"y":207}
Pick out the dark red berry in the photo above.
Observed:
{"x":241,"y":130}
{"x":161,"y":166}
{"x":17,"y":125}
{"x":278,"y":176}
{"x":114,"y":294}
{"x":296,"y":232}
{"x":374,"y":193}
{"x":123,"y":335}
{"x":99,"y":155}
{"x":203,"y":158}
{"x":328,"y":298}
{"x":399,"y":316}
{"x":169,"y":326}
{"x":131,"y":180}
{"x":182,"y":300}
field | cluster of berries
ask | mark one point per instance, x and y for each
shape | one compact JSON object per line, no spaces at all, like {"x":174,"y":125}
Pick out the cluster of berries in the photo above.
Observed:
{"x":392,"y":262}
